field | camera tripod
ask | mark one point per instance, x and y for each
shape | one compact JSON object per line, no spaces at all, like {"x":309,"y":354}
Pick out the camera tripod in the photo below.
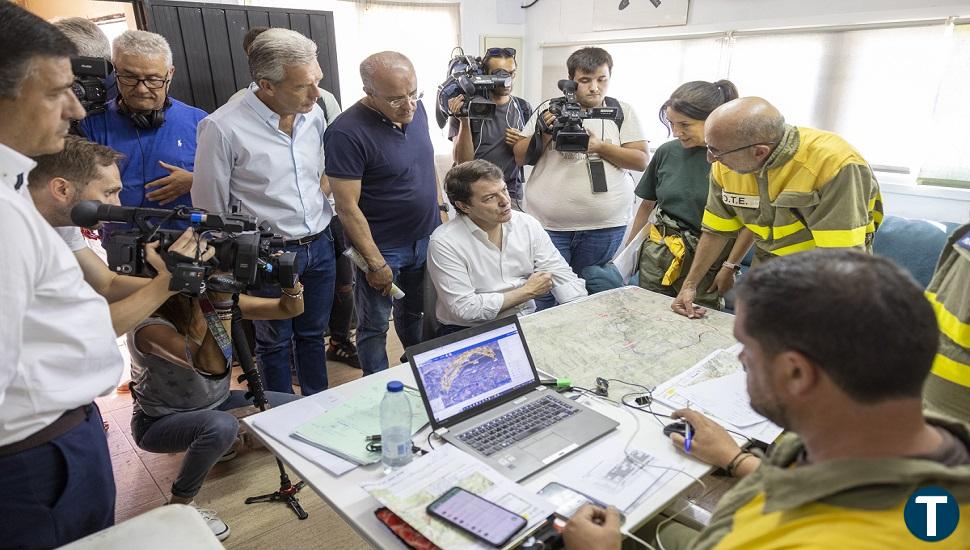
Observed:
{"x":287,"y":491}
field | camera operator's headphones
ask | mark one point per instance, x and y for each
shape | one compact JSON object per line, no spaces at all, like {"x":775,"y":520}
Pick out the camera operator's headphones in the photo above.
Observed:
{"x":145,"y":121}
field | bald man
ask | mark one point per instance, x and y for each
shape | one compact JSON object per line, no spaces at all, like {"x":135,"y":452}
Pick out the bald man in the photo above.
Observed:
{"x":380,"y":163}
{"x":795,"y":188}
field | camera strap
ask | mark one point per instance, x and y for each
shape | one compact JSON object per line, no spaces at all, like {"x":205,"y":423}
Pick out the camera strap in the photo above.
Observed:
{"x":216,"y":327}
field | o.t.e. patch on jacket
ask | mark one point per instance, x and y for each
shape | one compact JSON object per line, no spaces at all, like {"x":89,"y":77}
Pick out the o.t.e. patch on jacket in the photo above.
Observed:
{"x":740,"y":201}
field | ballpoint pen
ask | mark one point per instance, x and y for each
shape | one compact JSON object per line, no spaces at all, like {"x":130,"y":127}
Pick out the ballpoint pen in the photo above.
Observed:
{"x":688,"y":436}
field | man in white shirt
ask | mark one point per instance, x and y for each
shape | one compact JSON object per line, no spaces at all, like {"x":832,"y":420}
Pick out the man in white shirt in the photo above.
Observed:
{"x":262,"y":153}
{"x":491,"y":260}
{"x":585,"y":220}
{"x":57,"y":346}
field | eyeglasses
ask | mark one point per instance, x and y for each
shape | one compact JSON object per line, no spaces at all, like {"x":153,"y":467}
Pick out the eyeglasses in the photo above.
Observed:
{"x":152,"y":82}
{"x":719,"y":156}
{"x":500,"y":52}
{"x":400,"y":102}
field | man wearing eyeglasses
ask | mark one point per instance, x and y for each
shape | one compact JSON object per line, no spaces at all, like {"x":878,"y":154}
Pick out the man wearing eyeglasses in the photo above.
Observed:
{"x":795,"y":188}
{"x":380,"y":163}
{"x":492,"y":139}
{"x":155,"y":132}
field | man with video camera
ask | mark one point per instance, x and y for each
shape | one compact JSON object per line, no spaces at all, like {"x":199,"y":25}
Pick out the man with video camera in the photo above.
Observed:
{"x":582,"y":193}
{"x":155,"y":132}
{"x":492,"y":139}
{"x":56,"y":340}
{"x":85,"y":170}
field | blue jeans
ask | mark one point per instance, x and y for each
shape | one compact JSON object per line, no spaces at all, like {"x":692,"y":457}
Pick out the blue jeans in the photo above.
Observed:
{"x":299,"y":341}
{"x":59,"y":491}
{"x":408,"y":264}
{"x":582,"y":249}
{"x":204,"y":435}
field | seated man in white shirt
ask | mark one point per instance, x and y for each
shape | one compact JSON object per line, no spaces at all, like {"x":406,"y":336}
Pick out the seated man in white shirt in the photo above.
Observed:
{"x":492,"y":261}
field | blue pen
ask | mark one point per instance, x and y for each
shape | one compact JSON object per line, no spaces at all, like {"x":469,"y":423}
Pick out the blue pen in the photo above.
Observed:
{"x":689,"y":436}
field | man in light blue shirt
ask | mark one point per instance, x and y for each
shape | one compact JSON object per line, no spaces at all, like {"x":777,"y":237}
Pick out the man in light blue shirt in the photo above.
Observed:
{"x":263,"y":154}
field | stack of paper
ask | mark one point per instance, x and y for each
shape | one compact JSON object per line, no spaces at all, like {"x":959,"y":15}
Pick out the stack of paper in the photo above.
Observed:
{"x":614,"y":474}
{"x":279,"y":423}
{"x":409,"y":491}
{"x":718,"y":386}
{"x":343,"y":430}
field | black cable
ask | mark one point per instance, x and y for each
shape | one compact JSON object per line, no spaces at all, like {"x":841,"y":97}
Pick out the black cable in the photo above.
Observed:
{"x":530,"y":4}
{"x":430,"y":445}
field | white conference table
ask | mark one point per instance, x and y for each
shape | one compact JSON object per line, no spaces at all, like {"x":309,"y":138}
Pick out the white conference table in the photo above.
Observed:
{"x":356,"y":506}
{"x":627,"y":333}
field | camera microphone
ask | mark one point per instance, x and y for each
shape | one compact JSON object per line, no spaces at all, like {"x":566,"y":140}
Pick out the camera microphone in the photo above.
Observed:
{"x":567,"y":86}
{"x":90,"y":213}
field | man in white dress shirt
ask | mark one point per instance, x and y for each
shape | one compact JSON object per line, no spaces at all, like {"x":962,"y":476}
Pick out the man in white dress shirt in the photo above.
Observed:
{"x":57,"y":346}
{"x":492,"y":261}
{"x":263,"y":154}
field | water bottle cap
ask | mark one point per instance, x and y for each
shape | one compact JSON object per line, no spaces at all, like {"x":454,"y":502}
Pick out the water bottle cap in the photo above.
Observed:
{"x":395,"y":386}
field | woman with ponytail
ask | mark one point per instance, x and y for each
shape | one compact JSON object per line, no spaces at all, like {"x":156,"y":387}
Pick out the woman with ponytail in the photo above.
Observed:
{"x":675,"y":185}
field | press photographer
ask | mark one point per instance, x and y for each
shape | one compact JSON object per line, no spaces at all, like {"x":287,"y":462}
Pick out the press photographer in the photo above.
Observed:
{"x":491,"y":136}
{"x":84,"y":170}
{"x":583,"y":199}
{"x":180,"y":381}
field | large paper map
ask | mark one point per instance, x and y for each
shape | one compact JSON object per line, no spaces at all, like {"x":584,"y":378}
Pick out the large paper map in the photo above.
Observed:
{"x":627,"y":333}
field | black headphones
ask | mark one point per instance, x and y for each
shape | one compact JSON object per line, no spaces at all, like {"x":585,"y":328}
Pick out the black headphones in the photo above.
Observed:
{"x":145,"y":121}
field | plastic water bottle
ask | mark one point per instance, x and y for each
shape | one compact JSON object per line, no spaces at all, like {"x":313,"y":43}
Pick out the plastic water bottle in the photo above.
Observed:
{"x":395,"y":426}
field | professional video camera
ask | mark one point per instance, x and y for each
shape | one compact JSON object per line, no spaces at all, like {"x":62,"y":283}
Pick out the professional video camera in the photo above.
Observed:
{"x":251,"y":253}
{"x":567,"y":131}
{"x":466,"y":76}
{"x":89,"y":82}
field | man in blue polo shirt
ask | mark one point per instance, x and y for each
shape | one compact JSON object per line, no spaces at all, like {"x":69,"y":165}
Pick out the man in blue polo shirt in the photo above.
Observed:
{"x":154,"y":132}
{"x":380,"y":163}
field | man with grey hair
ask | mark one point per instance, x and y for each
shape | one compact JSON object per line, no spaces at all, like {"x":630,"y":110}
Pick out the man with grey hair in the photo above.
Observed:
{"x":819,"y":191}
{"x":381,"y":166}
{"x":89,"y":39}
{"x":155,"y":132}
{"x":262,"y":154}
{"x":492,"y":261}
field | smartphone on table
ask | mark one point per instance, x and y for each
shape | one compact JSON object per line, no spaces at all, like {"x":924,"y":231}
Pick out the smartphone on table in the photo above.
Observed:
{"x":476,"y":516}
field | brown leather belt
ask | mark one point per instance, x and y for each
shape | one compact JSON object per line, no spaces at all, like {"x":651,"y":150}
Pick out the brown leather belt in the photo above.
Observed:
{"x":65,"y":423}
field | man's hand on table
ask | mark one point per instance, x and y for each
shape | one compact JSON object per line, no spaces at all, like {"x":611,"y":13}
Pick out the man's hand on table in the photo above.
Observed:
{"x":593,"y":528}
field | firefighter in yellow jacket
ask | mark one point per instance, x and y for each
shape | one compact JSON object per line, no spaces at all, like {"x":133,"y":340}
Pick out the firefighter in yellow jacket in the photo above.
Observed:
{"x":947,"y":390}
{"x":795,"y":188}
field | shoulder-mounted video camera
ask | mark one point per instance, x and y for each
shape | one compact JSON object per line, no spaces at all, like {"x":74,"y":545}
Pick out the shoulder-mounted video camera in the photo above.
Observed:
{"x":89,"y":85}
{"x":466,"y":76}
{"x":250,"y":253}
{"x":567,"y":130}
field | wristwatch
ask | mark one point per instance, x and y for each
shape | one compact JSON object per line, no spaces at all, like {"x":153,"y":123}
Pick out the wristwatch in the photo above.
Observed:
{"x":443,"y":207}
{"x":733,"y":267}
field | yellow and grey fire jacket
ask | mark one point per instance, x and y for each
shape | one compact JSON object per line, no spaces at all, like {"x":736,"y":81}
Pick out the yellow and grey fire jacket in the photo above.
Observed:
{"x":815,"y":190}
{"x":948,"y":387}
{"x":844,"y":503}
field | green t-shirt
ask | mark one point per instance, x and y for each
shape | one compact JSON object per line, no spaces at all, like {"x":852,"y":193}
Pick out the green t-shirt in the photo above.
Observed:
{"x":678,"y":179}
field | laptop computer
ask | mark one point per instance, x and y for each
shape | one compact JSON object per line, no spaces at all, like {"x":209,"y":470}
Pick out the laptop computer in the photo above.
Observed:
{"x":483,"y":395}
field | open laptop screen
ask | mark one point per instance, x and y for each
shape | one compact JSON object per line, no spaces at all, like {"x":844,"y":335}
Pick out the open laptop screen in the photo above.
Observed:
{"x":472,"y":371}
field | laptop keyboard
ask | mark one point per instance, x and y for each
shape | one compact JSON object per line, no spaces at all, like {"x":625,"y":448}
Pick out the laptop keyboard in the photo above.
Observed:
{"x":514,"y":426}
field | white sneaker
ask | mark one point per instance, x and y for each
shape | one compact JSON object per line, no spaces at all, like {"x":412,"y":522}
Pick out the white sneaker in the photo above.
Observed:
{"x":219,"y":527}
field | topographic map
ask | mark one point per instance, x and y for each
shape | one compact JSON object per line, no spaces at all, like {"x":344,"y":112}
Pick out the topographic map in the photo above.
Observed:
{"x":460,"y":376}
{"x":627,"y":333}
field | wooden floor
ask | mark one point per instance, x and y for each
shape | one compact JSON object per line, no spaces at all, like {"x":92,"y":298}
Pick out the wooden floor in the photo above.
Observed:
{"x":144,"y":481}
